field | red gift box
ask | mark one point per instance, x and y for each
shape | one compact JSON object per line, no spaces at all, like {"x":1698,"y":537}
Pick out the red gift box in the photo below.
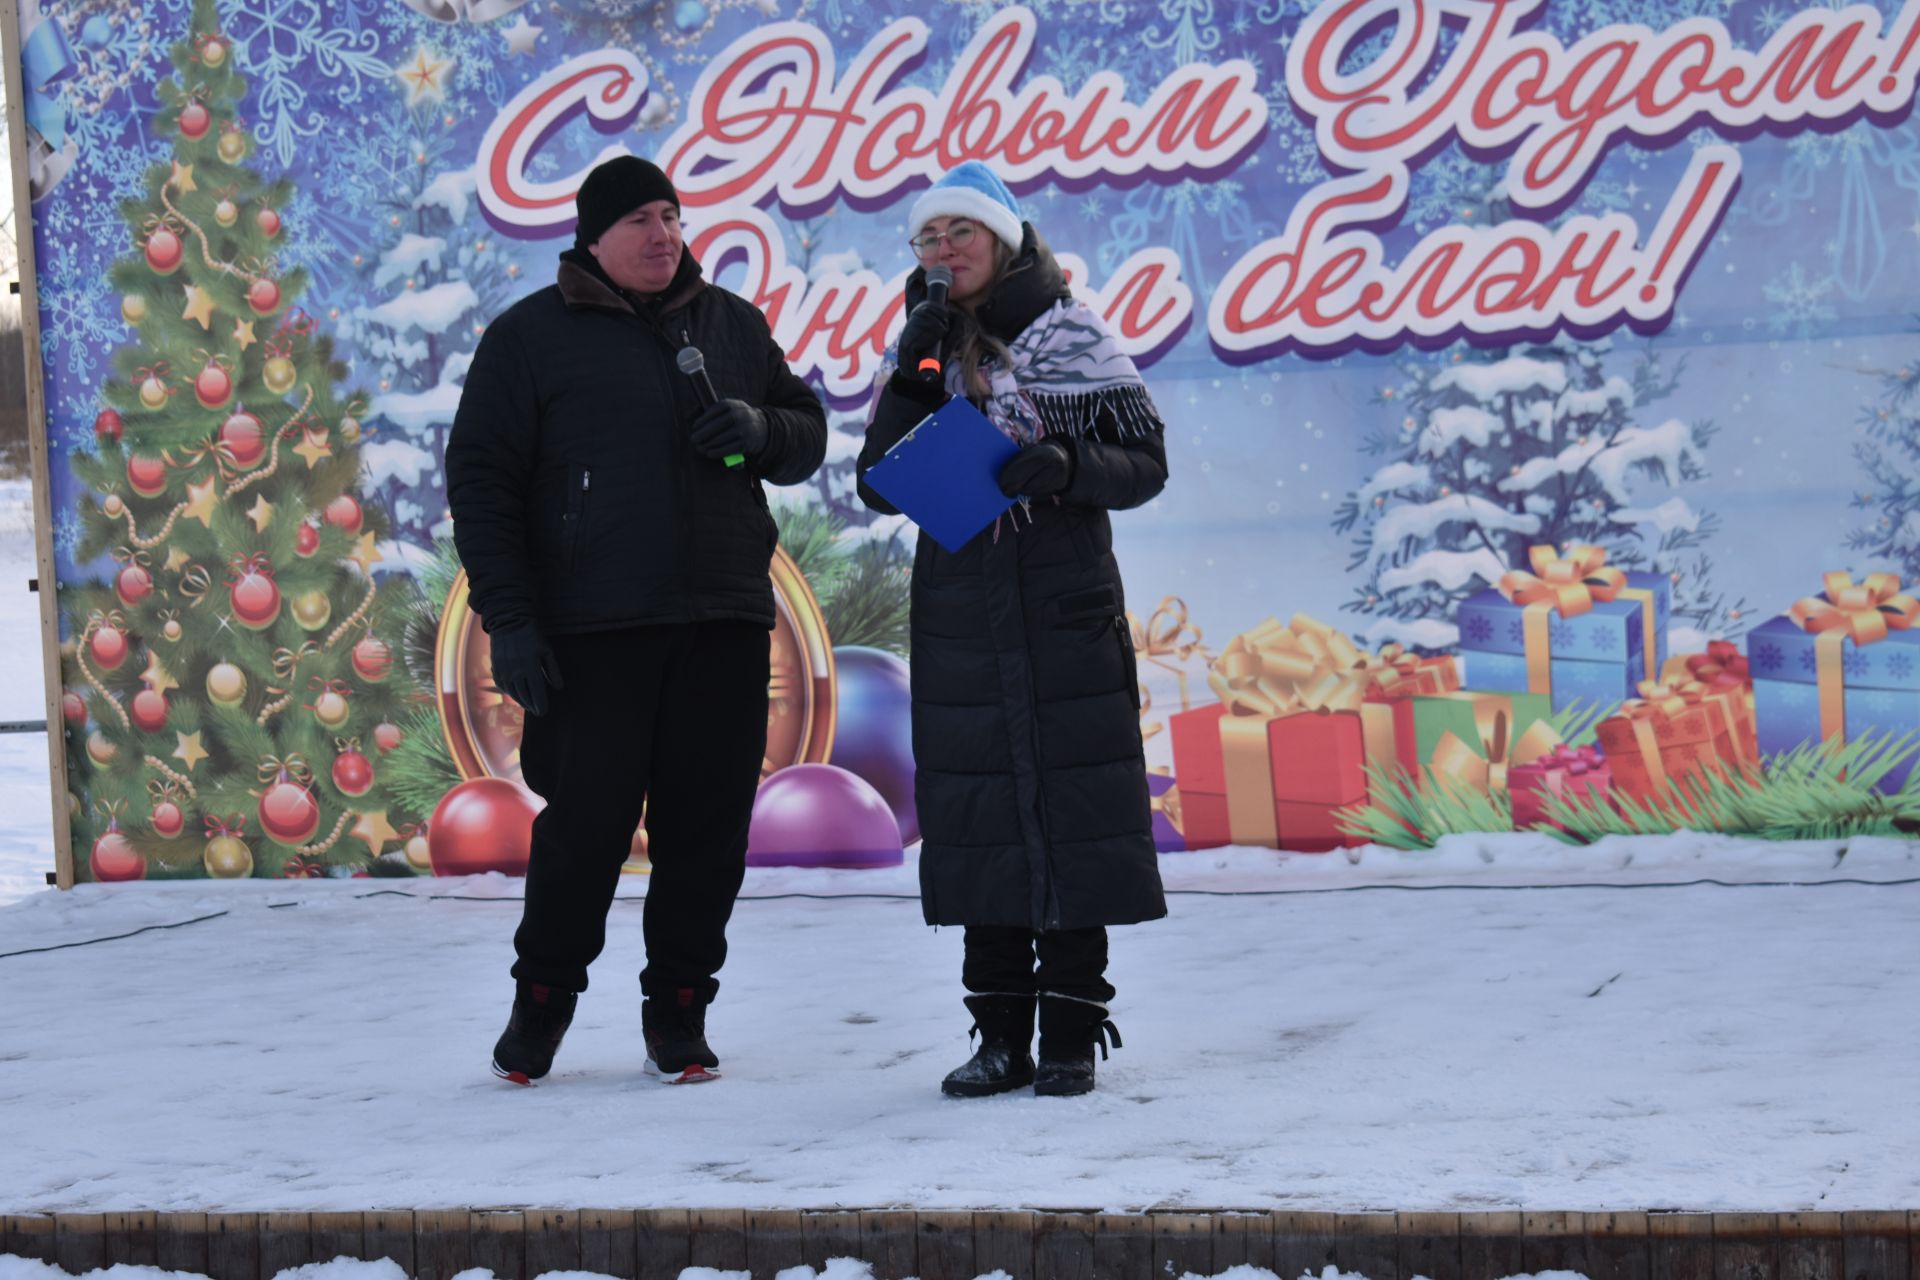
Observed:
{"x":1313,"y":828}
{"x":1203,"y":820}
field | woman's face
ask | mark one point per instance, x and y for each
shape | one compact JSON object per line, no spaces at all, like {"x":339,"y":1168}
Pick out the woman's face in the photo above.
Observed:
{"x":966,"y":248}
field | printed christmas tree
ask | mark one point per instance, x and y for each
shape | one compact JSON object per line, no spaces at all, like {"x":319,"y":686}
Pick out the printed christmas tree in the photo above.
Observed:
{"x":1889,"y":454}
{"x":230,"y":692}
{"x":1489,"y":452}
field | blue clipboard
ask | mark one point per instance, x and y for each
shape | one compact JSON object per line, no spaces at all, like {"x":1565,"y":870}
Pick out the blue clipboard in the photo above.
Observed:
{"x":944,"y":474}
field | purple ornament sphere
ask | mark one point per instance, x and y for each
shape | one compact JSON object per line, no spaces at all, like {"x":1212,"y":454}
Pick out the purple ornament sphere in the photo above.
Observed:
{"x":873,"y":727}
{"x":816,"y":815}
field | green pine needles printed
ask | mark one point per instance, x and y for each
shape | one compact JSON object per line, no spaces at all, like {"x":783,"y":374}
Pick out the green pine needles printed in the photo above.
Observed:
{"x":861,"y":584}
{"x":421,"y":769}
{"x":1577,"y":721}
{"x":1816,"y":792}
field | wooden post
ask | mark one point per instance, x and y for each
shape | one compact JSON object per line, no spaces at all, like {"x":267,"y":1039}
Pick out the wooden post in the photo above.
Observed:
{"x":27,"y":1235}
{"x":1004,"y":1240}
{"x":1812,"y":1247}
{"x":338,"y":1235}
{"x":828,"y":1235}
{"x":607,"y":1244}
{"x":1744,"y":1246}
{"x":233,"y":1246}
{"x":718,"y":1238}
{"x":1062,"y":1246}
{"x":389,"y":1233}
{"x":664,"y":1240}
{"x":1553,"y":1240}
{"x":181,"y":1242}
{"x":37,"y":439}
{"x":1243,"y":1239}
{"x":1304,"y":1242}
{"x":553,"y":1241}
{"x":887,"y":1235}
{"x":131,"y":1239}
{"x":1876,"y":1245}
{"x":1489,"y":1245}
{"x":498,"y":1242}
{"x":1368,"y":1243}
{"x":286,"y":1240}
{"x":1182,"y":1243}
{"x":1122,"y":1247}
{"x":79,"y":1242}
{"x":1430,"y":1245}
{"x":945,"y":1246}
{"x":1617,"y":1246}
{"x":773,"y":1242}
{"x":1681,"y":1245}
{"x":442,"y":1243}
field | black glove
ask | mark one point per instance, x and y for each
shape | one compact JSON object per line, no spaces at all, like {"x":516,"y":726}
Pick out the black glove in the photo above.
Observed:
{"x":524,"y":665}
{"x":1038,"y":471}
{"x":727,"y":427}
{"x":925,"y":329}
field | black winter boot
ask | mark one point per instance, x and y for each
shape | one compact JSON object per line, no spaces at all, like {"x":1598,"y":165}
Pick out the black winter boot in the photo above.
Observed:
{"x":676,"y":1033}
{"x":541,"y":1015}
{"x":1004,"y":1059}
{"x":1069,"y":1029}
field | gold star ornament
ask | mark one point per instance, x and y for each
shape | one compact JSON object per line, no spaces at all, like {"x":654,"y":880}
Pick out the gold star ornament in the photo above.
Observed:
{"x":182,"y":179}
{"x":364,"y":553}
{"x":200,"y":502}
{"x":313,"y":446}
{"x":243,"y":333}
{"x":189,"y":751}
{"x":156,"y":675}
{"x":199,"y":307}
{"x":375,"y":830}
{"x":425,"y":76}
{"x":261,"y":513}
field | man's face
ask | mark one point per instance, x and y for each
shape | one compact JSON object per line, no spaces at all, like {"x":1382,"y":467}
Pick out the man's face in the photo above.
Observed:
{"x":642,"y":250}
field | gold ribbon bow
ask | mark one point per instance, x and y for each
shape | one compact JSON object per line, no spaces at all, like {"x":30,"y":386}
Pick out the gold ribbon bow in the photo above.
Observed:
{"x":1167,"y":640}
{"x":1866,"y":613}
{"x":1304,"y":665}
{"x":1487,"y":767}
{"x":286,"y":660}
{"x":195,"y":583}
{"x":293,"y":764}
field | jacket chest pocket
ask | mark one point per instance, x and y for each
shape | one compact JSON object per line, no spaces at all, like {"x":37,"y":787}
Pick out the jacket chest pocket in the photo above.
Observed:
{"x":573,"y":515}
{"x":1129,"y":660}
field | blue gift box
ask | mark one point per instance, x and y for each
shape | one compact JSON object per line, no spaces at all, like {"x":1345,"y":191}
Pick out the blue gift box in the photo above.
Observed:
{"x":1881,"y":691}
{"x":1597,"y":656}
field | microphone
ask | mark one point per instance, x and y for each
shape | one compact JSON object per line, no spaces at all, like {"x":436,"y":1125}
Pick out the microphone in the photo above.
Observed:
{"x":939,"y":280}
{"x":694,"y":365}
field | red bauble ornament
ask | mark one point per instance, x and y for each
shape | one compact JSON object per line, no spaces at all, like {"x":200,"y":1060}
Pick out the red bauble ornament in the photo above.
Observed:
{"x":485,"y":824}
{"x":387,"y":736}
{"x":344,"y":513}
{"x":263,"y":296}
{"x":149,"y":711}
{"x":352,"y":773}
{"x":114,"y":859}
{"x":243,"y":440}
{"x":147,"y":475}
{"x":288,"y":812}
{"x":307,"y":540}
{"x":372,"y":658}
{"x":164,"y":251}
{"x":269,"y":222}
{"x":133,"y":584}
{"x":167,"y":819}
{"x":108,"y":645}
{"x":73,"y":707}
{"x":109,"y":426}
{"x":213,"y":387}
{"x":195,"y":119}
{"x":255,"y":596}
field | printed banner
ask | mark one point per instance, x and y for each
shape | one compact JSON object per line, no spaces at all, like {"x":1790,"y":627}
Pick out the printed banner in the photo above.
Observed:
{"x":1538,"y":376}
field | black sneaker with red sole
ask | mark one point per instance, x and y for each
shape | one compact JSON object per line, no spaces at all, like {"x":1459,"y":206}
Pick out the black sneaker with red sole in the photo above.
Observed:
{"x":676,"y":1032}
{"x":541,"y":1016}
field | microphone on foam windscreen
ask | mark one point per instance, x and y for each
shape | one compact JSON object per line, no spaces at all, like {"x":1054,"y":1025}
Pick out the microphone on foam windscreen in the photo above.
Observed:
{"x":694,"y":365}
{"x":939,"y":280}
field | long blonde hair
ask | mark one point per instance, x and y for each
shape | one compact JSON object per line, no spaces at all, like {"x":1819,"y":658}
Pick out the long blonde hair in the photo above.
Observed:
{"x":972,"y":344}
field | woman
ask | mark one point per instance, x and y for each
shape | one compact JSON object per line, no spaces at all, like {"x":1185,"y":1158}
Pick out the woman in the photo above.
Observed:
{"x":1030,"y":784}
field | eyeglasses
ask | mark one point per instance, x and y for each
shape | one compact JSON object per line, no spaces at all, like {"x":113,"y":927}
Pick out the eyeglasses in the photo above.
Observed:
{"x":957,"y":234}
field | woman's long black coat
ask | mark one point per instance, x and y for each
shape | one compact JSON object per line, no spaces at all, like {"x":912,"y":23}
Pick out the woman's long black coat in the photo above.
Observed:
{"x":1030,"y":780}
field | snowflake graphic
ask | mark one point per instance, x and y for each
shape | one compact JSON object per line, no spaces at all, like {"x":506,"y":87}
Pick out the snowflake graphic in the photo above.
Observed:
{"x":1768,"y":657}
{"x":1560,"y":634}
{"x":1856,"y":663}
{"x":284,"y":46}
{"x":1809,"y":662}
{"x":73,"y":298}
{"x":1799,"y":304}
{"x":1606,"y":640}
{"x":1479,"y":628}
{"x":1900,"y":666}
{"x":1516,"y":631}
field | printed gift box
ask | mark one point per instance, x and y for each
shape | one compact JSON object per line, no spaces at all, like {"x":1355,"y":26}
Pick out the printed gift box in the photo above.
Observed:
{"x":1289,"y":743}
{"x":1836,"y":665}
{"x":1570,"y":773}
{"x":1574,"y":628}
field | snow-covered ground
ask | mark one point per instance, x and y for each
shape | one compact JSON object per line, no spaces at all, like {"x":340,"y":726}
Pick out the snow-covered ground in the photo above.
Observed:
{"x":323,"y":1045}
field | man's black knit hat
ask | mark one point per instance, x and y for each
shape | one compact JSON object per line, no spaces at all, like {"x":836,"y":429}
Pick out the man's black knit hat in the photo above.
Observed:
{"x":614,"y":190}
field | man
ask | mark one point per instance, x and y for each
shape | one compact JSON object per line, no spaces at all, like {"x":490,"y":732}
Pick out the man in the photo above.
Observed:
{"x":617,"y":543}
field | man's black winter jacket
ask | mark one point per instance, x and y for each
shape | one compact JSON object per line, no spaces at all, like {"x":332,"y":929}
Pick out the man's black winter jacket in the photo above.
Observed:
{"x":578,"y":502}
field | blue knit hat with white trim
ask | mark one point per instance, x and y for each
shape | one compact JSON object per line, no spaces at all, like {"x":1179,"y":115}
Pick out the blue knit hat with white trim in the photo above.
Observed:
{"x":969,"y":190}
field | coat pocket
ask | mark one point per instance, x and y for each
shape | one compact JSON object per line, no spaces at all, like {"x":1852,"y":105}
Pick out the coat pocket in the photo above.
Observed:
{"x":1129,"y":660}
{"x":573,"y":519}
